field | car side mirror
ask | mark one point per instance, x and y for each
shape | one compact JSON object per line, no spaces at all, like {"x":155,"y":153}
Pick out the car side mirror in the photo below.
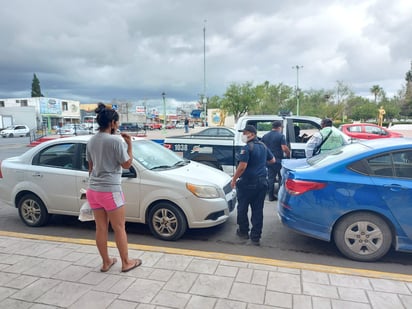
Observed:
{"x":129,"y":173}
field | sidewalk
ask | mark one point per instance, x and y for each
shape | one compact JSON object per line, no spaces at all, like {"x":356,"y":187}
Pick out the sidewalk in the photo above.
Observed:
{"x":52,"y":272}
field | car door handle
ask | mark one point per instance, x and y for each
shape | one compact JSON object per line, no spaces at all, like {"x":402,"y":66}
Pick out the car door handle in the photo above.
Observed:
{"x":394,"y":187}
{"x":37,"y":175}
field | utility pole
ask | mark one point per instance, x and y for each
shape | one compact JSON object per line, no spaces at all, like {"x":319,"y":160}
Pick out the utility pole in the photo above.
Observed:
{"x":297,"y":67}
{"x":204,"y":100}
{"x":164,"y":112}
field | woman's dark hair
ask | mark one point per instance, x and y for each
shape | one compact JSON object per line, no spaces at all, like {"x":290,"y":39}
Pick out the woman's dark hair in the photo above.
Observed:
{"x":105,"y":116}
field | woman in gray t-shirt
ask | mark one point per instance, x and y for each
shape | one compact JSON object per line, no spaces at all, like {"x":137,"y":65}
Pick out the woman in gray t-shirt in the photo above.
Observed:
{"x":107,"y":154}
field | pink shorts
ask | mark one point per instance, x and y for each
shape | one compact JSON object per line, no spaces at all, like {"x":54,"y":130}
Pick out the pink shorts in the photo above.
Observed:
{"x":105,"y":200}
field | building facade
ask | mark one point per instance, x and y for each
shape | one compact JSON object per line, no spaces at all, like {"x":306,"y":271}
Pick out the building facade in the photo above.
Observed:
{"x":48,"y":112}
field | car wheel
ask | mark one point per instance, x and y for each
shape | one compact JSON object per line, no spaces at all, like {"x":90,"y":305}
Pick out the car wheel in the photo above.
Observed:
{"x":27,"y":134}
{"x":363,"y":237}
{"x":11,"y":135}
{"x":167,"y":222}
{"x":32,"y":211}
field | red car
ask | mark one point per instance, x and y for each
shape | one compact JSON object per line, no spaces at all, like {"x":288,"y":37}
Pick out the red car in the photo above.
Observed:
{"x":367,"y":131}
{"x":154,"y":126}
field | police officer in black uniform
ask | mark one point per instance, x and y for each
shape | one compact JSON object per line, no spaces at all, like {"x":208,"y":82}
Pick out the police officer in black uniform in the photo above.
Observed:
{"x":250,"y":179}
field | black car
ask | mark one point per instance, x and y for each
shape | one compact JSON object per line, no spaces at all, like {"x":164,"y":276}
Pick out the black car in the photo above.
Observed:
{"x":131,"y":127}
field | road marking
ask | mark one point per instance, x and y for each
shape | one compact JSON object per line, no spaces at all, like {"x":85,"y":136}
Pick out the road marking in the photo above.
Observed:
{"x":227,"y":257}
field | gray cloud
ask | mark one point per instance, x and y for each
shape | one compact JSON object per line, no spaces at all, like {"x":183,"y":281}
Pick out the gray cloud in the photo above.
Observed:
{"x":101,"y":50}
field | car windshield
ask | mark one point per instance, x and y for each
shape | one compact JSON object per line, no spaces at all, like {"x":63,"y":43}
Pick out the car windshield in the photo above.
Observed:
{"x":154,"y":156}
{"x":337,"y":154}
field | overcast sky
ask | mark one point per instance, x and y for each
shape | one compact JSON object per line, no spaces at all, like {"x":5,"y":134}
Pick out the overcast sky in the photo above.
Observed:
{"x":98,"y":50}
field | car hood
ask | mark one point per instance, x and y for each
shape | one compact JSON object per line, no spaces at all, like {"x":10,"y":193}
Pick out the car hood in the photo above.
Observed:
{"x":198,"y":173}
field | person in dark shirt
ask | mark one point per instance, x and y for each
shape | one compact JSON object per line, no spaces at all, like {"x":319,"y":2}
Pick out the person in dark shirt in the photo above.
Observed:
{"x":250,"y":179}
{"x":186,"y":125}
{"x":276,"y":142}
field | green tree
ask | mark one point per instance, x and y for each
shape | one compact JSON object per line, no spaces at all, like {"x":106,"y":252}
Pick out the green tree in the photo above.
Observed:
{"x":35,"y":87}
{"x":406,"y":108}
{"x":214,"y":102}
{"x":376,"y":90}
{"x":240,"y":99}
{"x":363,"y":110}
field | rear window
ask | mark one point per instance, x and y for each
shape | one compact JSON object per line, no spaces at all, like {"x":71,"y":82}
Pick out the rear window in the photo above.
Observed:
{"x":337,"y":154}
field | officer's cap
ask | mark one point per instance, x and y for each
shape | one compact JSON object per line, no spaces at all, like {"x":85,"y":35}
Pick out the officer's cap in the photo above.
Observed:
{"x":249,"y":128}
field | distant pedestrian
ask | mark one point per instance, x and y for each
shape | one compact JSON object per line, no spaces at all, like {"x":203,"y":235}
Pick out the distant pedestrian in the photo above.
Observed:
{"x":276,"y":142}
{"x":186,"y":125}
{"x":107,"y":154}
{"x":250,"y":179}
{"x":326,"y":139}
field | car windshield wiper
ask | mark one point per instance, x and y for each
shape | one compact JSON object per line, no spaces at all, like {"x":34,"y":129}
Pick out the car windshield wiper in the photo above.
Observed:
{"x":181,"y":163}
{"x":160,"y":167}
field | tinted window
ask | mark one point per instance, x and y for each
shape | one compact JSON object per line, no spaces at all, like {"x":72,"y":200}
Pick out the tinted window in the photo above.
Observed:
{"x":381,"y":165}
{"x":355,"y":129}
{"x":61,"y":156}
{"x":337,"y":155}
{"x":374,"y":130}
{"x":396,"y":164}
{"x":403,"y":164}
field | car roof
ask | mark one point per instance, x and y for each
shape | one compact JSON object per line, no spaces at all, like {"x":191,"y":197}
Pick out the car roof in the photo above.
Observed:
{"x":389,"y":143}
{"x":360,"y":124}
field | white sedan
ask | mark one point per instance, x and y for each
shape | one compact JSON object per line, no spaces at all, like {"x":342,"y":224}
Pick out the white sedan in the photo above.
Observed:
{"x":161,"y":189}
{"x":16,"y":130}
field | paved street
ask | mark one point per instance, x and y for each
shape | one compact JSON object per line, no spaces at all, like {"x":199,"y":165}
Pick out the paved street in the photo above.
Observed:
{"x":53,"y":272}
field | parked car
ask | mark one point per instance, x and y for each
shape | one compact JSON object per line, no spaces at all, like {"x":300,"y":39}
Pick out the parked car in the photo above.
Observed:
{"x":358,"y":195}
{"x":73,"y":129}
{"x":216,"y":132}
{"x":161,"y":189}
{"x":154,"y":126}
{"x":16,"y":130}
{"x":367,"y":131}
{"x":180,"y":125}
{"x":131,"y":127}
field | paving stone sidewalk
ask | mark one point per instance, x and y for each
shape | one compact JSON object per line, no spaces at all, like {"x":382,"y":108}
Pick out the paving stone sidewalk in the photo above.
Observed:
{"x":52,"y":274}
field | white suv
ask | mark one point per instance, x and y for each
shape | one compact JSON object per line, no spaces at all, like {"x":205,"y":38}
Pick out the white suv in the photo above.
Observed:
{"x":16,"y":130}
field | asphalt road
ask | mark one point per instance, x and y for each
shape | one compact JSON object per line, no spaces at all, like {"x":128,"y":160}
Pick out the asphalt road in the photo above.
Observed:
{"x":277,"y":241}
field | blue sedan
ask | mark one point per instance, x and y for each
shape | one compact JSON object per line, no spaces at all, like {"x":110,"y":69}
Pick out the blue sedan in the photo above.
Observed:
{"x":359,"y":195}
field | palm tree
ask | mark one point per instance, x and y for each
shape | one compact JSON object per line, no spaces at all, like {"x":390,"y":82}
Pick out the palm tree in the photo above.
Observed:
{"x":376,"y":90}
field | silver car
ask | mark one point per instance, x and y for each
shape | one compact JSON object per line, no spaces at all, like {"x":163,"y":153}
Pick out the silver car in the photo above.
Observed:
{"x":16,"y":130}
{"x":161,"y":189}
{"x":73,"y":129}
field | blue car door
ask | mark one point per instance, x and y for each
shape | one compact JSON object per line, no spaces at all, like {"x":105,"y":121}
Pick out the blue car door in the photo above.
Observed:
{"x":393,"y":178}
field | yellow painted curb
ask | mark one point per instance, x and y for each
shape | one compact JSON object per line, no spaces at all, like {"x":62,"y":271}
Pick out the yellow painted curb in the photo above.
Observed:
{"x":228,"y":257}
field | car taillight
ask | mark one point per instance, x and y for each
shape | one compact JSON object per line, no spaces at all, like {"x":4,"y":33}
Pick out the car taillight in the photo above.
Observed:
{"x":296,"y":187}
{"x":168,"y":146}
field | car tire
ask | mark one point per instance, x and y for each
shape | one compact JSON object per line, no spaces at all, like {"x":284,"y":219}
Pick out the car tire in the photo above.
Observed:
{"x":364,"y":237}
{"x":32,"y":211}
{"x":11,"y":135}
{"x":167,"y":222}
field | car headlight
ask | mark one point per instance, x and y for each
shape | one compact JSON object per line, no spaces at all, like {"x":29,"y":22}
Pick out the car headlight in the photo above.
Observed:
{"x":203,"y":191}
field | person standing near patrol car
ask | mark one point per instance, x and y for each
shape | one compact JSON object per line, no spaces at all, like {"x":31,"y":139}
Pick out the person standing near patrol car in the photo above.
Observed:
{"x":250,"y":179}
{"x":276,"y":142}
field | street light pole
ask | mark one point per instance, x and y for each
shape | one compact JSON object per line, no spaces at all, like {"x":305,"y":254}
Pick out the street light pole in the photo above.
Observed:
{"x":204,"y":100}
{"x":297,"y":67}
{"x":164,"y":112}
